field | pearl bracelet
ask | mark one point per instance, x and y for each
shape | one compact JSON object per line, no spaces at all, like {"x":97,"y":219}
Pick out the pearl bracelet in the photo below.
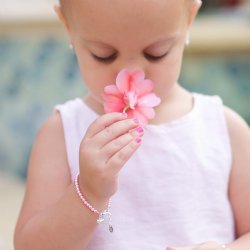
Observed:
{"x":102,"y":216}
{"x":224,"y":247}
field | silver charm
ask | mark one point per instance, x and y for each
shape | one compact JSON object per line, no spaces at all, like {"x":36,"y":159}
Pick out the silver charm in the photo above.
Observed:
{"x":111,"y":229}
{"x":105,"y":216}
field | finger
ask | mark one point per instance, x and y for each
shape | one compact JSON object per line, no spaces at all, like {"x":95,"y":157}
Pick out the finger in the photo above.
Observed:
{"x":104,"y":121}
{"x":117,"y":144}
{"x":118,"y":160}
{"x":114,"y":131}
{"x":138,"y":131}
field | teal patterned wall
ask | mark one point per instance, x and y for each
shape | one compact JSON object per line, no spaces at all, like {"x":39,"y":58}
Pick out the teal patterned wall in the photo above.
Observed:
{"x":225,"y":75}
{"x":37,"y":73}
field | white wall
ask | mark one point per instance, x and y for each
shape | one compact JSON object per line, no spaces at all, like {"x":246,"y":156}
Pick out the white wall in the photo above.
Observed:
{"x":26,"y":10}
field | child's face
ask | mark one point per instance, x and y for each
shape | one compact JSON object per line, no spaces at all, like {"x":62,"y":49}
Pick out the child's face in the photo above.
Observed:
{"x":135,"y":34}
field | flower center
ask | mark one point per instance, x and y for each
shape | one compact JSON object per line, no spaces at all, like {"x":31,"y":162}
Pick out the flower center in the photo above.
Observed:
{"x":130,"y":99}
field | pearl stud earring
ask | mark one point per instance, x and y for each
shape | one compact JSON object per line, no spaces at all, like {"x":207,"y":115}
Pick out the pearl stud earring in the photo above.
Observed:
{"x":187,"y":42}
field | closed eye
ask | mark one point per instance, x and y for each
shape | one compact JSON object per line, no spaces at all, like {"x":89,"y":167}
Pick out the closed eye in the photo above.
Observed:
{"x":154,"y":58}
{"x":112,"y":57}
{"x":105,"y":59}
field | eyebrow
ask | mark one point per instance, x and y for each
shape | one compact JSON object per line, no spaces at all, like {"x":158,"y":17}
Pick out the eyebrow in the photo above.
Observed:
{"x":163,"y":41}
{"x":101,"y":43}
{"x":154,"y":44}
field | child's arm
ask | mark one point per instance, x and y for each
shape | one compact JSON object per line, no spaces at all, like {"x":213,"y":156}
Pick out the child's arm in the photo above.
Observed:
{"x":239,"y":187}
{"x":52,"y":216}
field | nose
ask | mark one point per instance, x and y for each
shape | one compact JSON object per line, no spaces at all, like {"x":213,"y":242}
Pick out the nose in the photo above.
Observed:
{"x":134,"y":68}
{"x":132,"y":64}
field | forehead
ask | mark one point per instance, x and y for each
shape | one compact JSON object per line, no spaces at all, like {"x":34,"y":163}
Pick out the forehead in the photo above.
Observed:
{"x":126,"y":17}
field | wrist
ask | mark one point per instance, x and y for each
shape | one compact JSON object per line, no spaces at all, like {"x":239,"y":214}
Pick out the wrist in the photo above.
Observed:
{"x":97,"y":201}
{"x":103,"y":215}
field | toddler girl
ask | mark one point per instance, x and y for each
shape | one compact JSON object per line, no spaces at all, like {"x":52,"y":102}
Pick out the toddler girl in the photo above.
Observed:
{"x":101,"y":180}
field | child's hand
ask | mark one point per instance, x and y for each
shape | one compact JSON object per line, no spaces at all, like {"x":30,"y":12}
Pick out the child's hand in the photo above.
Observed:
{"x":204,"y":246}
{"x":108,"y":144}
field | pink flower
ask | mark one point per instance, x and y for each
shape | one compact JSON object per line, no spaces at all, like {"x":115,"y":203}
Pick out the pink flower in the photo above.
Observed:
{"x":133,"y":94}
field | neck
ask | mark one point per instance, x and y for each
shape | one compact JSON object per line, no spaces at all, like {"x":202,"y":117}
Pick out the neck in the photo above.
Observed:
{"x":177,"y":103}
{"x":92,"y":103}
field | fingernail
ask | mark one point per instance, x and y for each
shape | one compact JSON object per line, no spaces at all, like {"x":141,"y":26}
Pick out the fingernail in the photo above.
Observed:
{"x":140,"y":129}
{"x":138,"y":140}
{"x":136,"y":120}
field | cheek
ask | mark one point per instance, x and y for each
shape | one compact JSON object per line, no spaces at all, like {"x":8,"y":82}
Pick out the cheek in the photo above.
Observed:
{"x":166,"y":73}
{"x":95,"y":75}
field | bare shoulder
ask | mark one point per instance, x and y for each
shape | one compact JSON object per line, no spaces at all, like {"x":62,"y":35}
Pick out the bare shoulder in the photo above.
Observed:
{"x":48,"y":172}
{"x":48,"y":158}
{"x":236,"y":124}
{"x":49,"y":147}
{"x":51,"y":136}
{"x":239,"y":186}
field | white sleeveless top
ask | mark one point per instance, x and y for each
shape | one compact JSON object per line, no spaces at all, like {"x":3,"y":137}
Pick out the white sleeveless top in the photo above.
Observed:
{"x":174,"y":189}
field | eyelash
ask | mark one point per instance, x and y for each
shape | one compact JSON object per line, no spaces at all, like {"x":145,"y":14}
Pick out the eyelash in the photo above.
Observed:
{"x":105,"y":59}
{"x":113,"y":57}
{"x":154,"y":58}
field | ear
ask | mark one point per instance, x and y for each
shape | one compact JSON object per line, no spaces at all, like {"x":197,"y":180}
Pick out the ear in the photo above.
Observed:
{"x":193,"y":10}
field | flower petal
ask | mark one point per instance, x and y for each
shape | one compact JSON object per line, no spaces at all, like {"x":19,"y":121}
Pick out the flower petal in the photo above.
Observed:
{"x":123,"y":81}
{"x":112,"y":98}
{"x":137,"y":76}
{"x":144,"y":87}
{"x":149,"y":100}
{"x":133,"y":92}
{"x":130,"y":98}
{"x":112,"y":103}
{"x":130,"y":113}
{"x":112,"y":90}
{"x":147,"y":112}
{"x":137,"y":114}
{"x":113,"y":107}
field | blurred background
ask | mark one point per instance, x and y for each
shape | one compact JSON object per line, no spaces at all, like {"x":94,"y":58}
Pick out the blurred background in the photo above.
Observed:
{"x":38,"y":71}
